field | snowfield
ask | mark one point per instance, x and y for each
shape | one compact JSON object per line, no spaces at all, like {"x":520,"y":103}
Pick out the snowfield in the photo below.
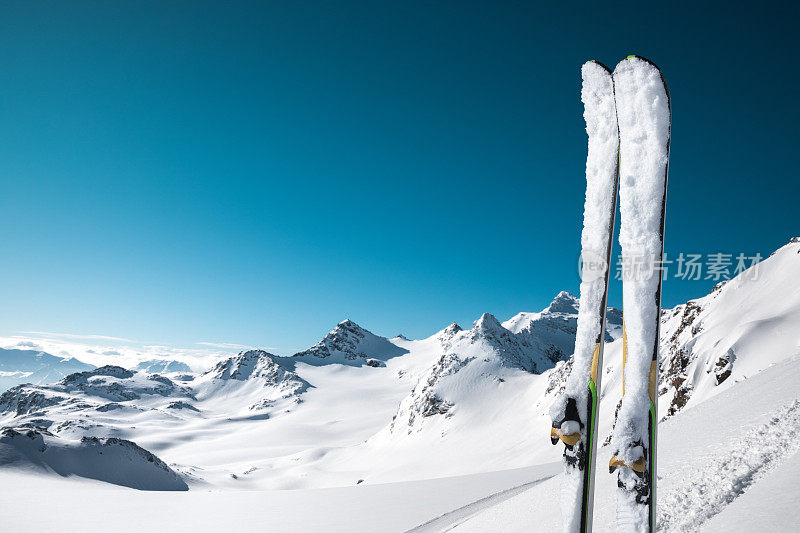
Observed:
{"x":445,"y":433}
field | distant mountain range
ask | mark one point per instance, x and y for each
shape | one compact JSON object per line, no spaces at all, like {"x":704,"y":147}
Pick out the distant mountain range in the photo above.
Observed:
{"x":156,"y":366}
{"x":37,"y":367}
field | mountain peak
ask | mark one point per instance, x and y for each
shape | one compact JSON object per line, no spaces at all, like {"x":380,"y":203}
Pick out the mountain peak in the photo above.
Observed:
{"x":487,"y":322}
{"x":348,"y":343}
{"x":452,"y":328}
{"x":564,"y":302}
{"x":243,"y":365}
{"x":348,"y":325}
{"x":447,"y":334}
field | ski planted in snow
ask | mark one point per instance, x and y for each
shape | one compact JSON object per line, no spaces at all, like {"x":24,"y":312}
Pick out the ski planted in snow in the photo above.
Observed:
{"x":644,"y":117}
{"x":574,"y":413}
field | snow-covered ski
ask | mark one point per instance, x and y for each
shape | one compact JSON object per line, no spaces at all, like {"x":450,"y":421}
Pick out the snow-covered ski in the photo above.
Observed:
{"x":644,"y":116}
{"x":574,"y":413}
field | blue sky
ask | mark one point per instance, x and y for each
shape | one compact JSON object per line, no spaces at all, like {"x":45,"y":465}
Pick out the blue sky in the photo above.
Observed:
{"x":254,"y":173}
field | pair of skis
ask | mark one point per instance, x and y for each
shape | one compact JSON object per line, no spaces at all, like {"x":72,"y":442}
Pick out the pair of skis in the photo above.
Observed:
{"x":628,"y":118}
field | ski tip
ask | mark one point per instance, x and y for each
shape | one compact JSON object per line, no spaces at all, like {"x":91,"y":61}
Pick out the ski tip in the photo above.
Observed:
{"x":663,"y":80}
{"x":598,"y":63}
{"x":641,"y":58}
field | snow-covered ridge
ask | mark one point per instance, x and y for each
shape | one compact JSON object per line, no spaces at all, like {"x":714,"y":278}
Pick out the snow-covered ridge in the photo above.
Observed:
{"x":113,"y":460}
{"x":257,"y":377}
{"x":245,"y":365}
{"x":740,"y":328}
{"x":487,"y":355}
{"x":552,"y":330}
{"x":349,"y":343}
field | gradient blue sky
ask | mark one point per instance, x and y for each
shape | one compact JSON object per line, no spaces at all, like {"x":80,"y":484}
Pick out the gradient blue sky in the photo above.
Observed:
{"x":254,"y":173}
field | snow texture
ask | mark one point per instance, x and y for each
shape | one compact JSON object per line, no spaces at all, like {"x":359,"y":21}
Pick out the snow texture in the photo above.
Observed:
{"x":643,"y":114}
{"x":597,"y":94}
{"x":723,"y":478}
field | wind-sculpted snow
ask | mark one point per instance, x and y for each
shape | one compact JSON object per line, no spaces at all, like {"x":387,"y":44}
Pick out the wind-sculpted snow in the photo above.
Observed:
{"x":113,"y":460}
{"x":350,"y":344}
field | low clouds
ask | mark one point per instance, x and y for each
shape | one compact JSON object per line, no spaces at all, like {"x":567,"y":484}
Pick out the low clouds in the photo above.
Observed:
{"x":89,"y":336}
{"x":102,"y":350}
{"x":28,"y":344}
{"x":226,"y":345}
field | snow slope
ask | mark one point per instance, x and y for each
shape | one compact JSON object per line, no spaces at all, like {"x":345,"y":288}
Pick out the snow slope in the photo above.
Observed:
{"x":742,"y":327}
{"x":767,"y":505}
{"x":392,"y":507}
{"x":112,"y":460}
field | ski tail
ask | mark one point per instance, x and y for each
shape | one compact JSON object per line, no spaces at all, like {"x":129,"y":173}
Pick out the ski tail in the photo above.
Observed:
{"x":644,"y":111}
{"x":575,"y":412}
